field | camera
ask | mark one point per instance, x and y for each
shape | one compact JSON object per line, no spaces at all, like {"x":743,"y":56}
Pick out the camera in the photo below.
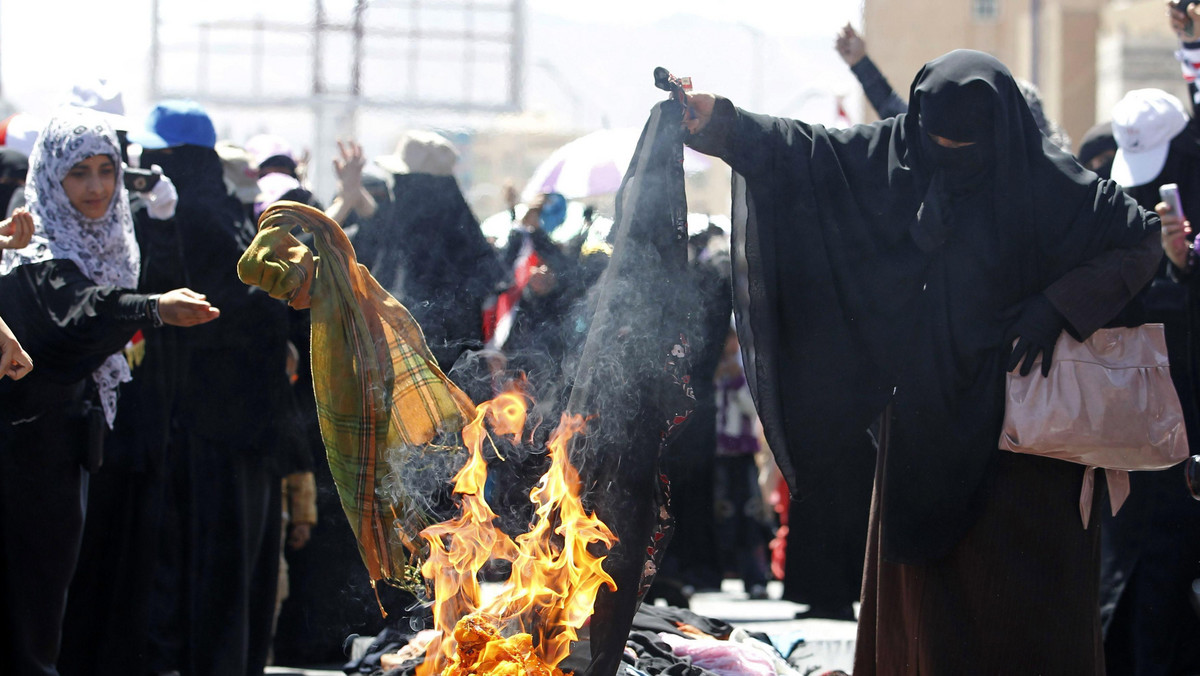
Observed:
{"x":140,"y":180}
{"x":1182,"y":5}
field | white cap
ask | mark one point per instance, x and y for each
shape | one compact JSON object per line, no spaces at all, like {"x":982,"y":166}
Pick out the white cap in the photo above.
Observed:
{"x":1144,"y":122}
{"x":421,"y":152}
{"x":102,"y":96}
{"x":263,"y":146}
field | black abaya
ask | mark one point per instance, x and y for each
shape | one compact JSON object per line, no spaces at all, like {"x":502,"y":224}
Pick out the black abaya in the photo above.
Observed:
{"x":876,"y":266}
{"x":108,"y":615}
{"x":232,"y":426}
{"x":69,"y":326}
{"x":426,"y":249}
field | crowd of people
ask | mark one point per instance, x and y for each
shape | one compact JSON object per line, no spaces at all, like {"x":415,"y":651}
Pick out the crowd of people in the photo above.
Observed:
{"x":165,"y":505}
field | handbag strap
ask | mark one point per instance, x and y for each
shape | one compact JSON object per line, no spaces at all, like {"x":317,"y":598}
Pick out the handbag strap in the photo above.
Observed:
{"x":1118,"y":490}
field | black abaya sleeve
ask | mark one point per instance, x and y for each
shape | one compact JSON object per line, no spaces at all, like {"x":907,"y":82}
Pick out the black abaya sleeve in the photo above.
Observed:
{"x":67,"y":323}
{"x":1091,"y":294}
{"x":815,"y":236}
{"x":884,"y":99}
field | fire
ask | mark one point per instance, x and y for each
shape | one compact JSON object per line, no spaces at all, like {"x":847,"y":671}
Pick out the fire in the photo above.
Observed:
{"x":555,"y":577}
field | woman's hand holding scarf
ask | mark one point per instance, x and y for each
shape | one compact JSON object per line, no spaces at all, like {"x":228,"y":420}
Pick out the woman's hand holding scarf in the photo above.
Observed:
{"x":279,"y":264}
{"x":700,"y":110}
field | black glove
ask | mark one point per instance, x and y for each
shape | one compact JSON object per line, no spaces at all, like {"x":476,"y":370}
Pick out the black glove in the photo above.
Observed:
{"x":1036,"y":331}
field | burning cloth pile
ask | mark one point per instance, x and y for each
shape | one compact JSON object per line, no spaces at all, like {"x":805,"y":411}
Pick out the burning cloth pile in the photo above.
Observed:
{"x":391,"y":419}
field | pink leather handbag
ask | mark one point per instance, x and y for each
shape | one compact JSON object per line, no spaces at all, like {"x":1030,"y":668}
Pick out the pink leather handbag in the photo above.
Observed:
{"x":1108,"y":403}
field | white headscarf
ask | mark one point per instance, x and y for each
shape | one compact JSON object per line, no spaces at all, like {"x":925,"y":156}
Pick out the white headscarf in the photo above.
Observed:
{"x":105,"y":249}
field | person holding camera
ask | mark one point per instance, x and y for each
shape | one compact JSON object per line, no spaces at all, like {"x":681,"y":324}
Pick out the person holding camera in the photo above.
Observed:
{"x":224,"y":466}
{"x":1149,"y":552}
{"x":896,"y":271}
{"x":69,"y":295}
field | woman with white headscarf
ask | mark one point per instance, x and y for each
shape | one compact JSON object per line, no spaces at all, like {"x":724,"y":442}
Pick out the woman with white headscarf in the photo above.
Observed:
{"x":68,"y":297}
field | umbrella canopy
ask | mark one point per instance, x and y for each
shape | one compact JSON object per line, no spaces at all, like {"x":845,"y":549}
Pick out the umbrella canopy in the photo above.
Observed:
{"x":594,"y":165}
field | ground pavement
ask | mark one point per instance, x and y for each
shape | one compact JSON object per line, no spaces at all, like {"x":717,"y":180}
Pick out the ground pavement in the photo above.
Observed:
{"x":829,"y":643}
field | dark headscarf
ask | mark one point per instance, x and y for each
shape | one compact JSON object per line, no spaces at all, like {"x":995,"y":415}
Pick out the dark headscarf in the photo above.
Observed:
{"x":14,"y":166}
{"x":875,"y":266}
{"x":426,"y":249}
{"x":196,"y":171}
{"x":1098,"y":140}
{"x":280,"y":163}
{"x":214,"y":229}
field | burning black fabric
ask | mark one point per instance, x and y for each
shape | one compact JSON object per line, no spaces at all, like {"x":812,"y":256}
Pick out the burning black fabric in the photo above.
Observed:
{"x":632,"y":375}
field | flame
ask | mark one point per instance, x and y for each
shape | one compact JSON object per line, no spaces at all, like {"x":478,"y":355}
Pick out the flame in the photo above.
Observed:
{"x":555,"y":577}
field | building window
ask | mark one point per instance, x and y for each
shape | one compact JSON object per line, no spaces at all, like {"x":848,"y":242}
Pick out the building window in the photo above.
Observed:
{"x":985,"y":10}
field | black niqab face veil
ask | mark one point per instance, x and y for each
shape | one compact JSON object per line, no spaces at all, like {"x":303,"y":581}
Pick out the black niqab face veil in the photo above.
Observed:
{"x":970,"y":97}
{"x":958,"y":107}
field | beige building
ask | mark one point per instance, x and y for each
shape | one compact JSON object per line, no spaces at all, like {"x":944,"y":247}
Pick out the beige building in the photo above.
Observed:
{"x":1082,"y":54}
{"x":1135,"y":49}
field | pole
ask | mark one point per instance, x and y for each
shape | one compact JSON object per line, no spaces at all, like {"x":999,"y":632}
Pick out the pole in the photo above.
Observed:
{"x":516,"y":63}
{"x":356,"y":66}
{"x":414,"y":51}
{"x":1,"y":69}
{"x":350,"y":122}
{"x":468,"y":51}
{"x":154,"y":50}
{"x":1035,"y":17}
{"x":318,"y":79}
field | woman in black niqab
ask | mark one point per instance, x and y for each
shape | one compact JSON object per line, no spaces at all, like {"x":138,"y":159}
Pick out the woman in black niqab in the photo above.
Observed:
{"x":893,"y":266}
{"x":426,"y":249}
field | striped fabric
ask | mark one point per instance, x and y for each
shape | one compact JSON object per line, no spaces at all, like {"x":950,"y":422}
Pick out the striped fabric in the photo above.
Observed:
{"x":381,"y":398}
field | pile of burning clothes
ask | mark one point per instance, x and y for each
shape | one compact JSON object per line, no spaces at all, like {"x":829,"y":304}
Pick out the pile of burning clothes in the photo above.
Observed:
{"x":664,"y":640}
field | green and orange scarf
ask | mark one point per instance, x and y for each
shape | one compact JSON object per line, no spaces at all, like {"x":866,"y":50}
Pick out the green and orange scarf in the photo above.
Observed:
{"x":381,"y":399}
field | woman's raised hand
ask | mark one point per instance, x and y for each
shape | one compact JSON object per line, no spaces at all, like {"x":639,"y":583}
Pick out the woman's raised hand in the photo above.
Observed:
{"x":16,"y":231}
{"x":1183,"y":21}
{"x":1174,"y":236}
{"x":184,"y":307}
{"x":850,"y":45}
{"x":349,"y":166}
{"x":700,"y":109}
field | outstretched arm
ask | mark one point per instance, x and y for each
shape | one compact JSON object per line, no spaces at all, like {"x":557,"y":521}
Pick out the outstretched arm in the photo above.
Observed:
{"x":752,"y":144}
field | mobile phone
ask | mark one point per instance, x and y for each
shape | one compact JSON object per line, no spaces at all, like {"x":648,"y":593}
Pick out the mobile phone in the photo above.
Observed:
{"x":140,"y":180}
{"x":1169,"y":193}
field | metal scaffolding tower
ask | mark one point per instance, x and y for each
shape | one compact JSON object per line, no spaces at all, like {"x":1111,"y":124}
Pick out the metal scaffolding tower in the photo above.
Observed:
{"x":453,"y":56}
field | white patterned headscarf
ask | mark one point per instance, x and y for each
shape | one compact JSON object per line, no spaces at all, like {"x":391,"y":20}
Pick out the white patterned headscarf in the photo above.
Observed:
{"x":105,"y":249}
